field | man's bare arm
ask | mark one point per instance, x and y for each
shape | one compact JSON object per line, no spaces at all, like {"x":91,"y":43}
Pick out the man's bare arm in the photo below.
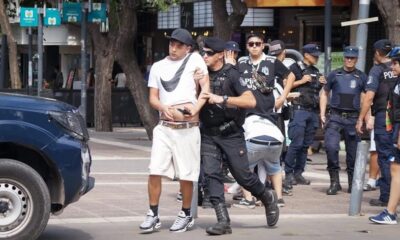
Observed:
{"x":204,"y":88}
{"x":289,"y":80}
{"x":246,"y":100}
{"x":365,"y":107}
{"x":323,"y":101}
{"x":154,"y":99}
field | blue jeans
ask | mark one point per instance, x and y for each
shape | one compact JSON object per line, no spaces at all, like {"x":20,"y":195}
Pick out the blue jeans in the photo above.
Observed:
{"x":264,"y":156}
{"x":302,"y":129}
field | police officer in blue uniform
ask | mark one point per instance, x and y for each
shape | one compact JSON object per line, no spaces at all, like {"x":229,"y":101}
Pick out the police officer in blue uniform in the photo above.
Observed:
{"x":380,"y":81}
{"x":305,"y":120}
{"x":222,"y":133}
{"x":346,"y":85}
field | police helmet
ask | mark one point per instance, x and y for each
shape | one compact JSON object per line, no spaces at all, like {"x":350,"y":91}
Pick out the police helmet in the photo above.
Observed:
{"x":394,"y":54}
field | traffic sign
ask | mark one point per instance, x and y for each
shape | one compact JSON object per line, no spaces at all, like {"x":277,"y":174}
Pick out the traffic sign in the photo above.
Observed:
{"x":72,"y":12}
{"x":52,"y":17}
{"x":29,"y":17}
{"x":98,"y":13}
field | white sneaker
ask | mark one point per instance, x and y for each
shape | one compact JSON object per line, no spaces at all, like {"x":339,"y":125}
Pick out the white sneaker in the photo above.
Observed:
{"x":234,"y":188}
{"x":151,"y":223}
{"x":182,"y":223}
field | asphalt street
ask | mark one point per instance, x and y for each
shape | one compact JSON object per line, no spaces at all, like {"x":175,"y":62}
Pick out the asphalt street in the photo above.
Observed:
{"x":118,"y":203}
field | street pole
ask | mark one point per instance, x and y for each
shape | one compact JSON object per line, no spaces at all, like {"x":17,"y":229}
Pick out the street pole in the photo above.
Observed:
{"x":40,"y":52}
{"x":30,"y":70}
{"x":358,"y":178}
{"x":4,"y":61}
{"x":328,"y":36}
{"x":83,"y":62}
{"x":362,"y":32}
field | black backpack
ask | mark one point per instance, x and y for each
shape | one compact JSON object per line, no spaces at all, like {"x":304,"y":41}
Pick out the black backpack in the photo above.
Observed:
{"x":393,"y":103}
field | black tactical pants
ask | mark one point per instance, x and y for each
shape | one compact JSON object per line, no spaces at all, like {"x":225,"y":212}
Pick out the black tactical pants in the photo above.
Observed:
{"x":234,"y":146}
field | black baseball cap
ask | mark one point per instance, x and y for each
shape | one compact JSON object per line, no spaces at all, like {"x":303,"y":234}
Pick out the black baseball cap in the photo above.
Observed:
{"x":350,"y":51}
{"x":312,"y":49}
{"x":232,"y":46}
{"x":383,"y":44}
{"x":215,"y":44}
{"x":276,"y":47}
{"x":182,"y":35}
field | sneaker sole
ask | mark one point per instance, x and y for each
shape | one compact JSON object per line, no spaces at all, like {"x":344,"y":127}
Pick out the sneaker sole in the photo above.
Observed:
{"x":244,"y":206}
{"x":187,"y":228}
{"x":155,"y":228}
{"x":383,"y":222}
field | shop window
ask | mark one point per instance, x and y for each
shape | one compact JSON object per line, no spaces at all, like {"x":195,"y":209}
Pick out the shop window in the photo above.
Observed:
{"x":170,"y":19}
{"x":255,"y":17}
{"x":202,"y":14}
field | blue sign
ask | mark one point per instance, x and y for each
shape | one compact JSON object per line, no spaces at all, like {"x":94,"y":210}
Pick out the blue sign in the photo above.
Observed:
{"x":53,"y":17}
{"x":98,"y":13}
{"x":72,"y":12}
{"x":29,"y":17}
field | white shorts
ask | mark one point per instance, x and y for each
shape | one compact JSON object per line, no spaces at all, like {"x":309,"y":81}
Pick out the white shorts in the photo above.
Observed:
{"x":176,"y":153}
{"x":372,"y":146}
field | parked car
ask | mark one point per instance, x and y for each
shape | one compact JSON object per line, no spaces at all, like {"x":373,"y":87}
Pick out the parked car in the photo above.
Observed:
{"x":44,"y":162}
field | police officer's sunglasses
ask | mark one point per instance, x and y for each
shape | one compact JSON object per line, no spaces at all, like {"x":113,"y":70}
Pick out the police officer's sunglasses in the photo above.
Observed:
{"x":209,"y":53}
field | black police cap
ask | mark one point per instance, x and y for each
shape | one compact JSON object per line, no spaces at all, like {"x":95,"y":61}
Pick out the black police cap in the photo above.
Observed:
{"x":215,"y":44}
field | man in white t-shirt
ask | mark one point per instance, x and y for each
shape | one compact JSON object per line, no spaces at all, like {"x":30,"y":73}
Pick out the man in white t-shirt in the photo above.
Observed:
{"x":121,"y":80}
{"x":176,"y":139}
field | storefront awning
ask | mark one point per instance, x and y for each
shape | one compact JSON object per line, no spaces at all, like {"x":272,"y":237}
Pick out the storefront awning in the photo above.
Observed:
{"x":294,"y":3}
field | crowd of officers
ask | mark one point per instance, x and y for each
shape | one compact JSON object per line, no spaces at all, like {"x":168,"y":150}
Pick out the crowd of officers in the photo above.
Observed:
{"x":215,"y":108}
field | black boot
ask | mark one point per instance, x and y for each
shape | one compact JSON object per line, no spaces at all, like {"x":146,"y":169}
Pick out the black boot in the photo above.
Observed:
{"x":335,"y":183}
{"x":269,"y":199}
{"x":223,"y":226}
{"x":301,"y":180}
{"x":289,"y":181}
{"x":350,"y":179}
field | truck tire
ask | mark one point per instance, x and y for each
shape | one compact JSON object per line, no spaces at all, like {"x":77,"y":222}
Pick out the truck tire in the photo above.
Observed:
{"x":24,"y":201}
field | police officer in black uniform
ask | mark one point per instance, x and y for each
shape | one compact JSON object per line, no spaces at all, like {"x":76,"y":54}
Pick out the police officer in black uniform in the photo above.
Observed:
{"x":346,"y":85}
{"x":381,"y":80}
{"x":305,"y":120}
{"x":221,"y":133}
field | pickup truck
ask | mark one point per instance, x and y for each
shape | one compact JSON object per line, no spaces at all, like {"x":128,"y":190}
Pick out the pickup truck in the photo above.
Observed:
{"x":45,"y":162}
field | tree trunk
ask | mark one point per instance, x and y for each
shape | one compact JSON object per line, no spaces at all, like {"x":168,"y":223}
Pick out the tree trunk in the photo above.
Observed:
{"x":390,"y":12}
{"x":12,"y":47}
{"x":224,"y":24}
{"x":104,"y":52}
{"x":127,"y":59}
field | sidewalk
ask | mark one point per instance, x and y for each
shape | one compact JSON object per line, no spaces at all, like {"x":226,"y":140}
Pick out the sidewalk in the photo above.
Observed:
{"x":308,"y":214}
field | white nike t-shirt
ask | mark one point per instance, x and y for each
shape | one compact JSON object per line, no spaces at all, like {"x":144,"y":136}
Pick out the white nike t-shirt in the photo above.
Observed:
{"x":186,"y":89}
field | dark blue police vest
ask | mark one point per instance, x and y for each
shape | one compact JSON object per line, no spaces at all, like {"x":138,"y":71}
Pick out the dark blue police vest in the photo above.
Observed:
{"x":346,"y":90}
{"x":387,"y":82}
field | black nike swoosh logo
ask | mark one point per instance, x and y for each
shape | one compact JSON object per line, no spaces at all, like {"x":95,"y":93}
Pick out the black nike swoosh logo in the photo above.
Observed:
{"x":170,"y":85}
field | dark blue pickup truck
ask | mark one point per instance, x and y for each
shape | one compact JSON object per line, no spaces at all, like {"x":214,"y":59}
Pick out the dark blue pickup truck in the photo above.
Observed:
{"x":44,"y":162}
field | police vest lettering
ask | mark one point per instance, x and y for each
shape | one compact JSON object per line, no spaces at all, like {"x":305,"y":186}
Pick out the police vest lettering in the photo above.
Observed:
{"x":386,"y":85}
{"x":346,"y":90}
{"x":259,"y":77}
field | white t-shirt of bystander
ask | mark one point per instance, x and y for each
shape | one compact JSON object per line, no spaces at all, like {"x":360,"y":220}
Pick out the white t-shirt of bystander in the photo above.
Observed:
{"x":186,"y":90}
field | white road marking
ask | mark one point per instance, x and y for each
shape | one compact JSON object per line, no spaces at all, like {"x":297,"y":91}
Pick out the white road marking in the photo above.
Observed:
{"x":131,"y":183}
{"x":119,"y":173}
{"x":120,"y":144}
{"x":118,"y":158}
{"x":238,"y":218}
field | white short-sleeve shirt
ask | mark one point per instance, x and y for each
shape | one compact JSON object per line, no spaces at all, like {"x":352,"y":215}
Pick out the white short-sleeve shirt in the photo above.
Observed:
{"x":186,"y":90}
